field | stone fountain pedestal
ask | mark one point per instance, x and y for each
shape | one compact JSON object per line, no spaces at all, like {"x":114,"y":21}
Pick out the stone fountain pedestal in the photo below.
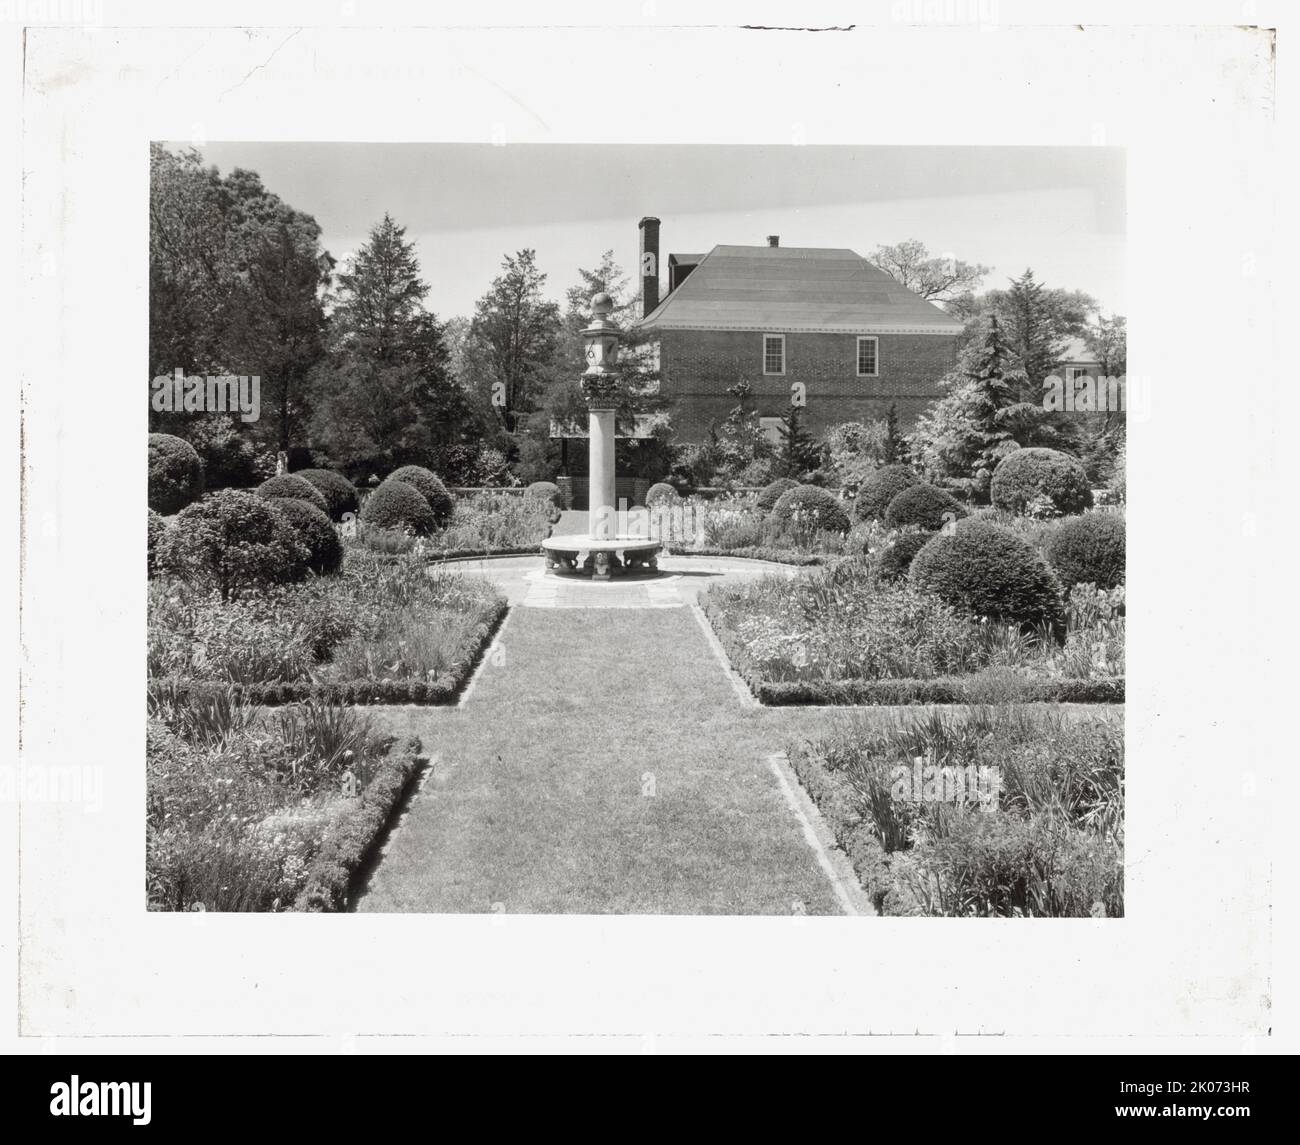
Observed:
{"x":602,"y":553}
{"x":601,"y":559}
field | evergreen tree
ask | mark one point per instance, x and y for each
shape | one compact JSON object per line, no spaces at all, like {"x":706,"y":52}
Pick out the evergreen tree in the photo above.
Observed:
{"x":960,"y":439}
{"x":1032,"y":330}
{"x":895,"y":445}
{"x":386,"y":397}
{"x":798,"y":453}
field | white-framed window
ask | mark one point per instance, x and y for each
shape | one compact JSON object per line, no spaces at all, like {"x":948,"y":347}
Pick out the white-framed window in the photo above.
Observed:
{"x":1074,"y":373}
{"x":774,"y":353}
{"x":868,"y":357}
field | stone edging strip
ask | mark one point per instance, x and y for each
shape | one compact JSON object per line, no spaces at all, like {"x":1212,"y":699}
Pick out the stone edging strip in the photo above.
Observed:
{"x":834,"y":863}
{"x":743,"y":694}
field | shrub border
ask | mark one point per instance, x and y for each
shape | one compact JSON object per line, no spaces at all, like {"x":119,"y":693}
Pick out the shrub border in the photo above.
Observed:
{"x":900,"y":691}
{"x":749,"y":553}
{"x":758,"y":553}
{"x":943,"y":690}
{"x":351,"y":840}
{"x":445,"y":690}
{"x":446,"y":556}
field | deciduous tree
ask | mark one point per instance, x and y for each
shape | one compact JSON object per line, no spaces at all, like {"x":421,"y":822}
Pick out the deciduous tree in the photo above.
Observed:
{"x":940,"y":280}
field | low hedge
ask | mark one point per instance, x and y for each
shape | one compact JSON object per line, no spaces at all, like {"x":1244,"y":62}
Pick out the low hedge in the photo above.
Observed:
{"x":339,"y":493}
{"x":350,"y":841}
{"x":944,"y":690}
{"x":292,"y":487}
{"x":444,"y":690}
{"x":436,"y":555}
{"x":755,"y":553}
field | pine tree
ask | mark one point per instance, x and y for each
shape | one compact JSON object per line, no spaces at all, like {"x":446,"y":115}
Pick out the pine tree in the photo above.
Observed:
{"x":895,"y":450}
{"x":798,"y":454}
{"x":1031,"y":332}
{"x":960,"y":439}
{"x":386,"y":396}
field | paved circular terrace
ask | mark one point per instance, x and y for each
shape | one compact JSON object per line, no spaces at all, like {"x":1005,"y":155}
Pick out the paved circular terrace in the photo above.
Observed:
{"x":680,"y":581}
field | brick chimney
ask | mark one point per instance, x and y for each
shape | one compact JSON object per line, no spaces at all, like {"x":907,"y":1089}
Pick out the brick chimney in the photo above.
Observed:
{"x":649,"y":228}
{"x":773,"y":240}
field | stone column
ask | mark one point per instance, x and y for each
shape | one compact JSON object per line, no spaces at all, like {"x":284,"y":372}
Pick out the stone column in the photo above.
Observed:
{"x":602,"y":511}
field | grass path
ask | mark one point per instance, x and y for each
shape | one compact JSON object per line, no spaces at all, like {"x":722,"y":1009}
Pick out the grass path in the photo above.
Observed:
{"x":606,"y":765}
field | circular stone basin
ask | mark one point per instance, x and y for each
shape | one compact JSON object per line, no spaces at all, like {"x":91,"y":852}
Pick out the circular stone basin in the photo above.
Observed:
{"x":615,"y":556}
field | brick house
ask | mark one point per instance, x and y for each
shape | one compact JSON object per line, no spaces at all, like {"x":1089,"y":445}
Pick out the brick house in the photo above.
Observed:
{"x":1077,"y":361}
{"x":824,"y":321}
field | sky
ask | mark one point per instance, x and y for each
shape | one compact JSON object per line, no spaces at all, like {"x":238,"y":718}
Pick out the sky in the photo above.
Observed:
{"x":1059,"y":210}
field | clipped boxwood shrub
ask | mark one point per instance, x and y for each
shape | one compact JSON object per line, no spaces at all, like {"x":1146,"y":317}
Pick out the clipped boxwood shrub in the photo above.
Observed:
{"x":546,"y":491}
{"x":897,"y":557}
{"x":397,"y":505}
{"x":661,"y":493}
{"x":314,"y":530}
{"x":1089,"y":550}
{"x":157,"y":530}
{"x":294,"y":487}
{"x":815,"y":506}
{"x":772,"y":493}
{"x":339,"y":493}
{"x":175,"y":473}
{"x":1027,"y":474}
{"x":879,"y":489}
{"x":430,"y":487}
{"x":924,"y":507}
{"x":989,"y":571}
{"x":231,"y":541}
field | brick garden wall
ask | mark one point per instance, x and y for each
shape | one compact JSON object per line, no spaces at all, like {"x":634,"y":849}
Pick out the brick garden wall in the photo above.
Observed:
{"x":697,"y":366}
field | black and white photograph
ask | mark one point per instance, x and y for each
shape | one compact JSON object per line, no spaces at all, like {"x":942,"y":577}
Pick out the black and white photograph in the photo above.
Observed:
{"x":462,"y":559}
{"x":609,"y":532}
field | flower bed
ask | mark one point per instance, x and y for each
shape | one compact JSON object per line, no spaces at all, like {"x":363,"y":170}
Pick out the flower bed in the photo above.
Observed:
{"x":352,"y":841}
{"x":382,"y":632}
{"x":736,"y":526}
{"x":995,"y":812}
{"x":484,"y":524}
{"x":247,"y":810}
{"x":839,"y":636}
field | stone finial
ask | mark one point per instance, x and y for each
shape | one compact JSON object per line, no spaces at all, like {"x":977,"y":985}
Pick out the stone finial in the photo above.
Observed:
{"x":602,"y":305}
